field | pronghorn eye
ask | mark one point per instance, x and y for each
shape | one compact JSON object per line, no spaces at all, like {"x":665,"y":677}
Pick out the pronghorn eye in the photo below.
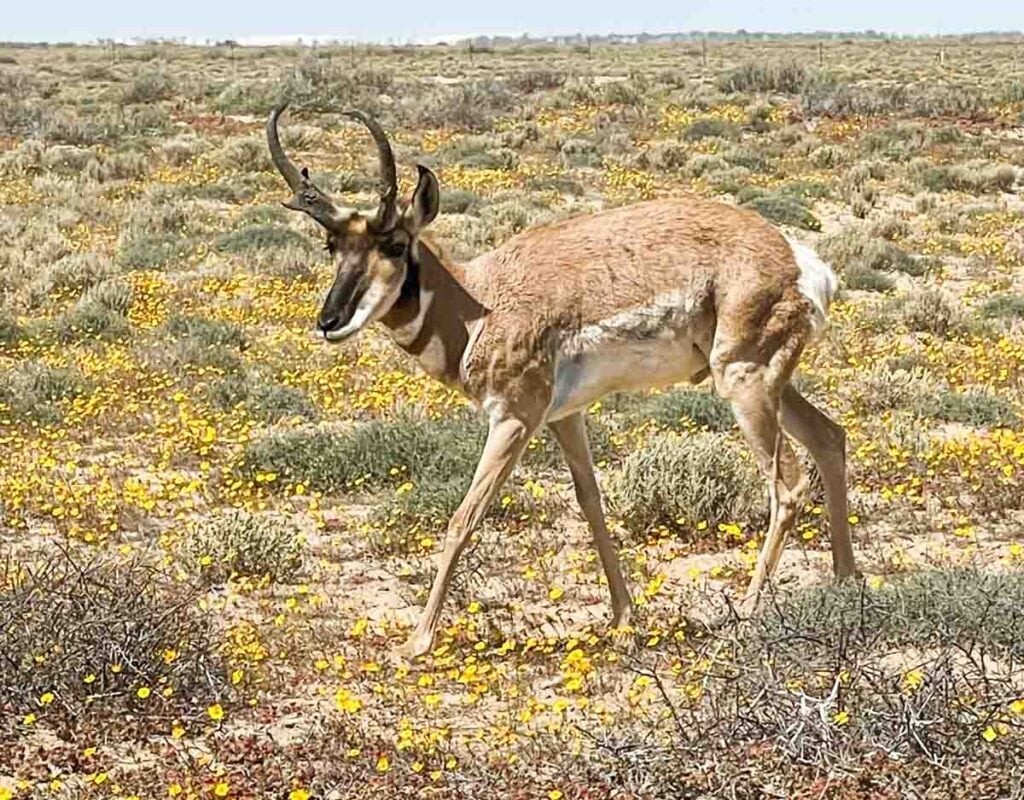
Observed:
{"x":393,"y":249}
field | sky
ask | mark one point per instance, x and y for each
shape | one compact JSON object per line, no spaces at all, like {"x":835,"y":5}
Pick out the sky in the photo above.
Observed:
{"x":402,"y":21}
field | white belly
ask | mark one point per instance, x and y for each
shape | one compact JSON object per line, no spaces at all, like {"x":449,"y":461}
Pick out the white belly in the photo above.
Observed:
{"x":641,"y":349}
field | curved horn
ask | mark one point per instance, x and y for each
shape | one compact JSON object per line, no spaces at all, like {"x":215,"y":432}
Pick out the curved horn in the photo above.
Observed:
{"x":308,"y":198}
{"x":284,"y":165}
{"x":387,"y":211}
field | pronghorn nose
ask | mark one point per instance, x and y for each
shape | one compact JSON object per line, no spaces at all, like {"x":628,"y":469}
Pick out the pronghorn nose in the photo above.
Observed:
{"x":328,"y":323}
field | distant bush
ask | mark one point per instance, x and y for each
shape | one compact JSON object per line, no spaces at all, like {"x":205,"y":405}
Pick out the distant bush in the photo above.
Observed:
{"x":537,"y":80}
{"x":786,"y":77}
{"x":424,"y":450}
{"x":866,"y":279}
{"x":696,"y":477}
{"x":706,"y":127}
{"x":148,"y":86}
{"x":975,"y":178}
{"x":1004,"y":306}
{"x":671,"y":409}
{"x":856,"y":250}
{"x":264,"y":399}
{"x":970,"y":408}
{"x":258,"y":237}
{"x":239,"y":543}
{"x":783,"y":208}
{"x":32,"y":391}
{"x":101,"y":312}
{"x":928,"y":311}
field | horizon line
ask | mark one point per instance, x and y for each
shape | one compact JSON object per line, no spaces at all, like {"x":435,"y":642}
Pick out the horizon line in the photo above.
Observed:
{"x":298,"y":39}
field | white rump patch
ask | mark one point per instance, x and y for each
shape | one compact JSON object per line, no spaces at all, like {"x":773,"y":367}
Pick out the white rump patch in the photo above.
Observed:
{"x":818,"y":283}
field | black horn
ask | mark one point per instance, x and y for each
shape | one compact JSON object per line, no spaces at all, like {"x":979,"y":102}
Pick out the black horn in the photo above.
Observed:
{"x":308,"y":198}
{"x":387,"y":212}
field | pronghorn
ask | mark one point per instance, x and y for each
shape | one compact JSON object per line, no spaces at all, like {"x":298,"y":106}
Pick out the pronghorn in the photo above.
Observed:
{"x":534,"y":331}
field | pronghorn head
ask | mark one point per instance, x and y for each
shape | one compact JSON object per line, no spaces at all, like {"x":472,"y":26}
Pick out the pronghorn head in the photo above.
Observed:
{"x":374,"y":253}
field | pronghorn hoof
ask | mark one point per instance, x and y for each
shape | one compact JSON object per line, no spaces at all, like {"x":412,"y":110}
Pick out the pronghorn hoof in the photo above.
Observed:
{"x":416,"y":646}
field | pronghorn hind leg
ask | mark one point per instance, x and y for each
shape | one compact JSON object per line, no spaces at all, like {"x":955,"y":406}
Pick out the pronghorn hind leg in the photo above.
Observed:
{"x":506,"y":441}
{"x":826,"y":442}
{"x":753,"y":388}
{"x":571,"y":433}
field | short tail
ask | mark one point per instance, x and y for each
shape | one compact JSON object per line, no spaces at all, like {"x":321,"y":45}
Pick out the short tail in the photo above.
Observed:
{"x":817,"y":282}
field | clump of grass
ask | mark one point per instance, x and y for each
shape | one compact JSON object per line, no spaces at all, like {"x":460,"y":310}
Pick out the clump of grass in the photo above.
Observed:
{"x":976,"y":178}
{"x":154,"y":251}
{"x":706,"y":127}
{"x":242,"y":544}
{"x":881,"y":388}
{"x":929,"y":311}
{"x":673,"y":410}
{"x":101,"y":313}
{"x":264,"y":399}
{"x":579,"y":153}
{"x":1004,"y":306}
{"x":697,"y":477}
{"x":148,"y":86}
{"x":927,"y":609}
{"x":867,"y":279}
{"x":372,"y":455}
{"x":204,"y":343}
{"x":209,"y":332}
{"x":852,"y":250}
{"x":970,"y":408}
{"x":260,"y":237}
{"x":34,"y":391}
{"x":783,"y":208}
{"x":91,"y":641}
{"x":11,"y":330}
{"x":786,"y":77}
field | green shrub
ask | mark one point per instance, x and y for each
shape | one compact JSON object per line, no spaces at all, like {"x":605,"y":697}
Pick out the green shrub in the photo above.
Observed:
{"x":867,"y":279}
{"x":155,"y":251}
{"x":259,"y":237}
{"x":374,"y":454}
{"x":881,"y":388}
{"x":239,"y":543}
{"x":101,"y":312}
{"x":11,"y":330}
{"x":208,"y":332}
{"x":1004,"y":306}
{"x":970,"y":408}
{"x":784,"y":209}
{"x":786,"y":77}
{"x":671,"y":409}
{"x":976,"y":178}
{"x":204,"y":343}
{"x":924,"y":610}
{"x":854,"y":249}
{"x":695,"y":477}
{"x":928,"y":311}
{"x":32,"y":391}
{"x":459,"y":201}
{"x":706,"y":127}
{"x":264,"y":399}
{"x":148,"y":86}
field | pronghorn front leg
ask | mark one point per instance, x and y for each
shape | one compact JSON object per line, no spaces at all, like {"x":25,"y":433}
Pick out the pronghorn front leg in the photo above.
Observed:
{"x":506,"y":441}
{"x":571,"y":433}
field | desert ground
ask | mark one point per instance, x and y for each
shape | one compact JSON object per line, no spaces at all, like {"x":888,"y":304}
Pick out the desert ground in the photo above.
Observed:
{"x":215,"y":531}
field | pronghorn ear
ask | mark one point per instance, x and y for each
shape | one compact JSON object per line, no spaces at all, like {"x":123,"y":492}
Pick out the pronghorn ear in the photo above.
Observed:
{"x":426,"y":201}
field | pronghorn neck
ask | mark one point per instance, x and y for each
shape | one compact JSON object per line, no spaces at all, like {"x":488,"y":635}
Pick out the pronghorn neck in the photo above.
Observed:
{"x":434,"y":315}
